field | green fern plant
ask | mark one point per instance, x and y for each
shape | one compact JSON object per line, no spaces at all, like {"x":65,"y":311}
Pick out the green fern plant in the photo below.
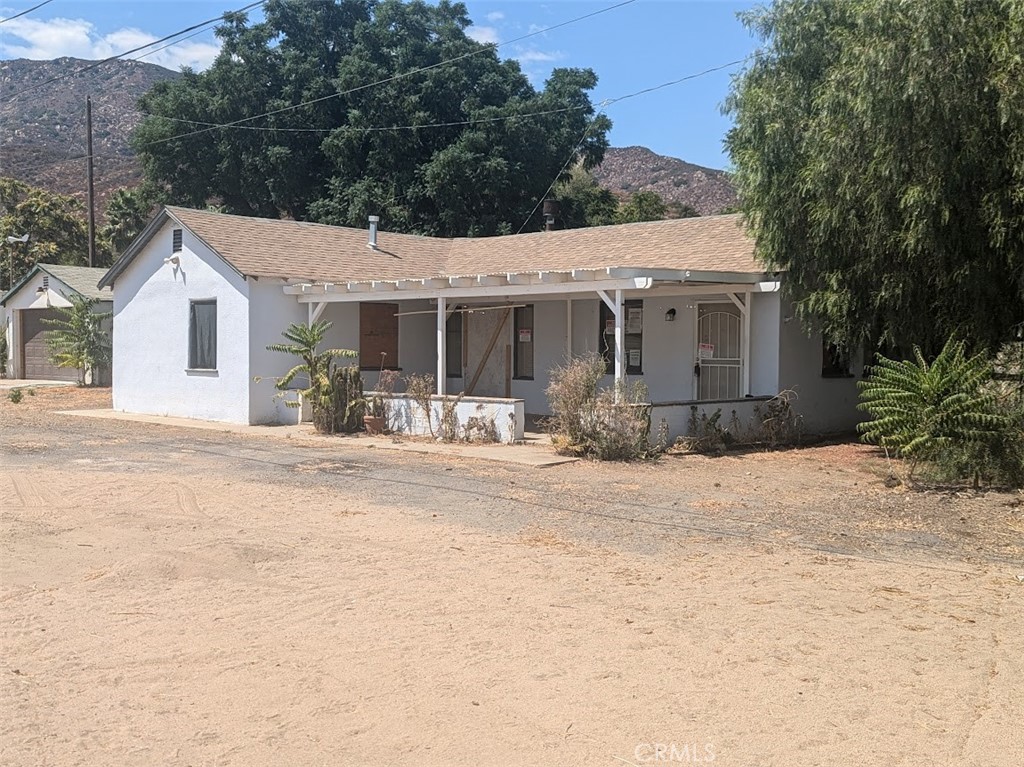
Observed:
{"x":318,"y":368}
{"x":920,"y":411}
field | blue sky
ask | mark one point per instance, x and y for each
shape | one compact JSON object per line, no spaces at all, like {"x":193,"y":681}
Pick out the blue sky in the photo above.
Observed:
{"x":637,"y":46}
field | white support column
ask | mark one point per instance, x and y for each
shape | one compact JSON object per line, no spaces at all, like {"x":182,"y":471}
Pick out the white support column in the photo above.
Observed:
{"x":568,"y":329}
{"x":746,"y":345}
{"x":620,"y":342}
{"x":442,"y":316}
{"x":316,"y":311}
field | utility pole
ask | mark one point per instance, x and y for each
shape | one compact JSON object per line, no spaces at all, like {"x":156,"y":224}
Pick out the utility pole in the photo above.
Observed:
{"x":89,"y":194}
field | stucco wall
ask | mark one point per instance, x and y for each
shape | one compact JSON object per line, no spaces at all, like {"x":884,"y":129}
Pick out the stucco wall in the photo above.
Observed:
{"x":508,"y":415}
{"x":828,"y":405}
{"x":271,"y":311}
{"x":151,"y":318}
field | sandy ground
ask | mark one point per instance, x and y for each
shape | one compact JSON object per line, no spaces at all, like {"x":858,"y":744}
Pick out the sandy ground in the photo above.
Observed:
{"x":171,"y":600}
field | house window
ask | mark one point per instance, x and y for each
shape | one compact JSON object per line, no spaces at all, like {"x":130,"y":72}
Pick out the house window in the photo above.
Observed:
{"x":378,"y":336}
{"x":453,"y":345}
{"x":634,"y":337}
{"x":835,"y":361}
{"x":719,"y":354}
{"x":202,"y":335}
{"x":523,"y":342}
{"x":176,"y":241}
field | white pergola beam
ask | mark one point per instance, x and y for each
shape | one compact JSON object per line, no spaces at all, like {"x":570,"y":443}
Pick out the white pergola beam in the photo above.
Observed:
{"x":491,"y":280}
{"x":506,"y":292}
{"x":547,"y":278}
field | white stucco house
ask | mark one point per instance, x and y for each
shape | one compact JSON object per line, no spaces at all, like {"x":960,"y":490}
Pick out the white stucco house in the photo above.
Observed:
{"x":35,"y":298}
{"x":681,"y":303}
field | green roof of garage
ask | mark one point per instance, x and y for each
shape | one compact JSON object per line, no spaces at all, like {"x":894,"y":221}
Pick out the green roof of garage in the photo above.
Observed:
{"x":80,"y":279}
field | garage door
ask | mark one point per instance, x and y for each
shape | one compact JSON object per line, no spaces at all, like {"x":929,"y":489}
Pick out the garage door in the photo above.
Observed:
{"x":37,"y":352}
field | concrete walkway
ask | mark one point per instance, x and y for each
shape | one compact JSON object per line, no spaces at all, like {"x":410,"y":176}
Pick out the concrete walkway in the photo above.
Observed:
{"x":536,"y":450}
{"x":24,"y":383}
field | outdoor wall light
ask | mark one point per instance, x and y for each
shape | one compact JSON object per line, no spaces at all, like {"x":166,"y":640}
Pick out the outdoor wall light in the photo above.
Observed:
{"x":175,"y":259}
{"x":670,"y":315}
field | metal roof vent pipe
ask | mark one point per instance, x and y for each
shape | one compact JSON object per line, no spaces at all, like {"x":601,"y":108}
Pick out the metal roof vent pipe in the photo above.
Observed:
{"x":374,"y":221}
{"x":551,"y":210}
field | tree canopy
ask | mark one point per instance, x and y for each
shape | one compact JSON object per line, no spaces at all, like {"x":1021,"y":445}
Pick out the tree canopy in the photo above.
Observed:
{"x":370,"y":73}
{"x":54,"y":223}
{"x":879,"y":154}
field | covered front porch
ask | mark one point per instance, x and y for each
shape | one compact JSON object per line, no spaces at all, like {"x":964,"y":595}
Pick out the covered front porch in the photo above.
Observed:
{"x":692,"y":337}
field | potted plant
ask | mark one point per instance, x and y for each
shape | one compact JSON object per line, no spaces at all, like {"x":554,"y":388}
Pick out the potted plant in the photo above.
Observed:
{"x":378,"y":405}
{"x":375,"y":419}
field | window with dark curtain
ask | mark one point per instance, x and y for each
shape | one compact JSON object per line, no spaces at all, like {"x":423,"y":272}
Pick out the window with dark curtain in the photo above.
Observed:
{"x":523,"y":342}
{"x":202,"y":335}
{"x":634,"y":337}
{"x":378,"y":336}
{"x":835,"y":361}
{"x":453,"y":345}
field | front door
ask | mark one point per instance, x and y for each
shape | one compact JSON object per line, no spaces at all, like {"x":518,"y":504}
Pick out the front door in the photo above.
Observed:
{"x":718,"y":361}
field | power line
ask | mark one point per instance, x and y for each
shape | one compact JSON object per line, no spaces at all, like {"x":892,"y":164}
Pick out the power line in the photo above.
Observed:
{"x":489,"y":47}
{"x":603,"y":106}
{"x":607,"y":103}
{"x":377,"y":128}
{"x":33,"y":8}
{"x":107,"y":60}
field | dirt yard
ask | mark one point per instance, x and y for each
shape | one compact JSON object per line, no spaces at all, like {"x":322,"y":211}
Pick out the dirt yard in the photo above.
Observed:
{"x":177,"y":597}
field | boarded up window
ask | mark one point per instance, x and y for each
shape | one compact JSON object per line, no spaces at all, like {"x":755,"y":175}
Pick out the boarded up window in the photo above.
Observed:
{"x":378,"y":336}
{"x":524,"y":342}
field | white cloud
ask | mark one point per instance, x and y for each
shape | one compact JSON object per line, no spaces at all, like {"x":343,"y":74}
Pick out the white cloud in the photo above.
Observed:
{"x":485,"y":35}
{"x":51,"y":39}
{"x":534,"y":56}
{"x":495,"y":16}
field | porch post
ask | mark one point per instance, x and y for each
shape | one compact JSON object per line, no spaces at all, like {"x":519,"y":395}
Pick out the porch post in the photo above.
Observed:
{"x":746,"y":344}
{"x":620,"y":341}
{"x":568,"y":329}
{"x":442,"y":316}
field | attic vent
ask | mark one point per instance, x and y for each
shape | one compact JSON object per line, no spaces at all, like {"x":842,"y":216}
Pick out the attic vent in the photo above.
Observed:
{"x":176,"y":236}
{"x":46,"y":282}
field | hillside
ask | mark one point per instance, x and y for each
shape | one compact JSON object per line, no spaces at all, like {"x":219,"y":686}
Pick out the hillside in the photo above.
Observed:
{"x":46,"y":126}
{"x":636,"y":168}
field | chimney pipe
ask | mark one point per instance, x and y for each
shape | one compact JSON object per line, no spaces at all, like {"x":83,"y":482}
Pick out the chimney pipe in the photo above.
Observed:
{"x":550,"y":214}
{"x":372,"y":244}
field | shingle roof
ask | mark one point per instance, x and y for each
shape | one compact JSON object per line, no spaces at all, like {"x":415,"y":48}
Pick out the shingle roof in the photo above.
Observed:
{"x":81,"y":279}
{"x":260,"y":247}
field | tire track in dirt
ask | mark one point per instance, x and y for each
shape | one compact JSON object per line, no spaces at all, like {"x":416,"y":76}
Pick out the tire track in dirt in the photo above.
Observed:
{"x":29,"y":493}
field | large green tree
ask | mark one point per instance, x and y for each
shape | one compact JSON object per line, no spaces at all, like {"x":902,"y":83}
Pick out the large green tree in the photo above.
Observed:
{"x":350,"y":151}
{"x":879,"y":153}
{"x":129,"y":209}
{"x":54,"y":223}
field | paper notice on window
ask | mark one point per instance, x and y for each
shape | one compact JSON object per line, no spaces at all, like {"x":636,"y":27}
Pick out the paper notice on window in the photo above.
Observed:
{"x":634,"y":320}
{"x":706,"y":351}
{"x":634,"y":358}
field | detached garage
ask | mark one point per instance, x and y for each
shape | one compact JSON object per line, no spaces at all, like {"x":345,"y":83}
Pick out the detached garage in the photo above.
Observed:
{"x":35,"y":299}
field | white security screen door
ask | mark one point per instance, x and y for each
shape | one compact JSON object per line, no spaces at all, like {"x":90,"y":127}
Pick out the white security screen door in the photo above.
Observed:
{"x":718,"y":351}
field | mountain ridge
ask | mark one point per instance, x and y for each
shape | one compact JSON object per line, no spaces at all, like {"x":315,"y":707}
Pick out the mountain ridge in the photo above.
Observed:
{"x":47,"y":145}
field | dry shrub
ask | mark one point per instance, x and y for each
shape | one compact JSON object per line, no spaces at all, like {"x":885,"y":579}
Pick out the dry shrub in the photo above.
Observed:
{"x":608,"y":424}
